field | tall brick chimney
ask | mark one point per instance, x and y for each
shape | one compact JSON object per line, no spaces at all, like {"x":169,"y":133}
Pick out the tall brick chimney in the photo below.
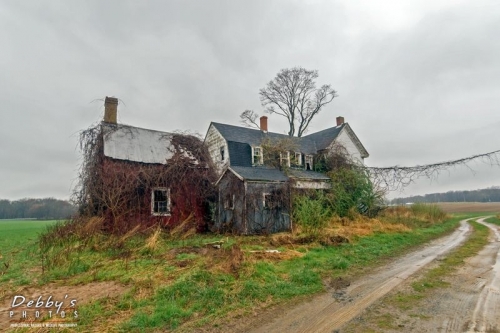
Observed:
{"x":263,"y":124}
{"x":340,"y":121}
{"x":110,"y":109}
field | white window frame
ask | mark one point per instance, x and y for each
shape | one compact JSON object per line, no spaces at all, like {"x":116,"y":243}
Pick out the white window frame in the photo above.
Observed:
{"x":286,"y":158}
{"x":167,"y":193}
{"x":257,"y":152}
{"x":308,"y":159}
{"x":298,"y":158}
{"x":264,"y":194}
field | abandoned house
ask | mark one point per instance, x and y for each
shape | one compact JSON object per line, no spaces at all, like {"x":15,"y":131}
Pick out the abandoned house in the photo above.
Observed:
{"x":254,"y":184}
{"x":139,"y":176}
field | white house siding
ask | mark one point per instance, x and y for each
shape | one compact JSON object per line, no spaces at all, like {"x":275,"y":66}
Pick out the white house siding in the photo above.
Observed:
{"x":214,"y":141}
{"x":314,"y":185}
{"x":344,"y":139}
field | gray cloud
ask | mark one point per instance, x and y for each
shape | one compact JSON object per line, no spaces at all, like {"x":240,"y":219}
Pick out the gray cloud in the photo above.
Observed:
{"x":417,"y":82}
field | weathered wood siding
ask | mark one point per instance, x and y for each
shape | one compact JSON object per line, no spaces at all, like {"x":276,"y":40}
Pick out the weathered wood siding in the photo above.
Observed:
{"x":214,"y":141}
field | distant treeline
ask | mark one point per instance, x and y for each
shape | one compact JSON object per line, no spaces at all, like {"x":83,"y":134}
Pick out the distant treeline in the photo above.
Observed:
{"x":491,"y":194}
{"x":46,"y":209}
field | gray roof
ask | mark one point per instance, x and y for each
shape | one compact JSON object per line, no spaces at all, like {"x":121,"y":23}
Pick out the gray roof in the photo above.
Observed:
{"x":136,"y":144}
{"x":254,"y":137}
{"x":260,"y":173}
{"x":275,"y":175}
{"x":305,"y":174}
{"x":324,"y":138}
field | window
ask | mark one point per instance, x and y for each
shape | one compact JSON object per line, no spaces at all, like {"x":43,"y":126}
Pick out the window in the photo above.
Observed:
{"x":160,"y":201}
{"x":257,"y":156}
{"x":298,"y":158}
{"x":309,"y":162}
{"x":271,"y":201}
{"x":222,"y":153}
{"x":285,"y":159}
{"x":229,"y":201}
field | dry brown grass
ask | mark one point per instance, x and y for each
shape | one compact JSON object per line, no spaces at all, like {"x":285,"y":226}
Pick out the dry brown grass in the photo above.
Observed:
{"x":469,"y":207}
{"x":362,"y":226}
{"x":152,"y":241}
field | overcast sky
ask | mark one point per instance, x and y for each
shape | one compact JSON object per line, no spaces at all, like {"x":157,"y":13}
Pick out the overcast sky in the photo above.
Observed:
{"x":418,"y":81}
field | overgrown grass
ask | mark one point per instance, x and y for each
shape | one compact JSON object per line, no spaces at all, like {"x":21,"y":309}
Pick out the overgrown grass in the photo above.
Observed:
{"x":212,"y":297}
{"x":183,"y":283}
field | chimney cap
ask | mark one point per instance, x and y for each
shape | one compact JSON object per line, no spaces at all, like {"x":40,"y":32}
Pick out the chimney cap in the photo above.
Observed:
{"x":111,"y":99}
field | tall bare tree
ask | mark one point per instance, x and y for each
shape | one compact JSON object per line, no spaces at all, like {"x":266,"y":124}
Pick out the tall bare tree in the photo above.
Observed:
{"x":293,"y":94}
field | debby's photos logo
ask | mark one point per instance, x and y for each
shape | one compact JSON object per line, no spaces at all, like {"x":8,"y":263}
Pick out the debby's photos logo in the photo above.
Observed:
{"x":43,"y":311}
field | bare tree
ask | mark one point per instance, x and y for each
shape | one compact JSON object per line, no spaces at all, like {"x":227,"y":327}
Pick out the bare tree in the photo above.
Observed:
{"x":293,"y":95}
{"x":249,"y":118}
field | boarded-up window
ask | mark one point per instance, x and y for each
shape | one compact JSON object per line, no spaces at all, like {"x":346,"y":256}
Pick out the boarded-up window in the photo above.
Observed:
{"x":160,"y":201}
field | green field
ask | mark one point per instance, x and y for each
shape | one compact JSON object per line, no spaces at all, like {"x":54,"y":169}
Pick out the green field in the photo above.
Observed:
{"x":18,"y":248}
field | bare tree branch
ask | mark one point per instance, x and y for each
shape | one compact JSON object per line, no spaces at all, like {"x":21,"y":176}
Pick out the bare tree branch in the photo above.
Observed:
{"x":249,"y":119}
{"x":397,"y":177}
{"x":293,"y":94}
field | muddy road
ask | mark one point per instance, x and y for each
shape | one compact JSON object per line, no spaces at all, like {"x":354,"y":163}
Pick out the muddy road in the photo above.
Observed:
{"x":471,"y":305}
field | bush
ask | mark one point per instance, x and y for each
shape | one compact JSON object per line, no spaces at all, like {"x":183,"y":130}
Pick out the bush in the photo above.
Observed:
{"x":311,"y":213}
{"x":352,"y":188}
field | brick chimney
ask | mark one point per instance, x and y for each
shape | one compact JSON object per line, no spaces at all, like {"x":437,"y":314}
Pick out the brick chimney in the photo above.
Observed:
{"x":110,"y":109}
{"x":340,"y":121}
{"x":263,"y":124}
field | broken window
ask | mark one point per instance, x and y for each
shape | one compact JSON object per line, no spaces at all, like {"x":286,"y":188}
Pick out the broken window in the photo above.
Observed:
{"x":271,"y":201}
{"x":309,"y":162}
{"x":258,"y":157}
{"x":298,"y":158}
{"x":222,"y":153}
{"x":285,"y":159}
{"x":229,"y":201}
{"x":160,"y":201}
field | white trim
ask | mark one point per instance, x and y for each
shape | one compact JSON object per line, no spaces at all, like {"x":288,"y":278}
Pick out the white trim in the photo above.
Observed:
{"x":260,"y":155}
{"x":167,"y":213}
{"x":287,"y":158}
{"x":299,"y":160}
{"x":311,"y":157}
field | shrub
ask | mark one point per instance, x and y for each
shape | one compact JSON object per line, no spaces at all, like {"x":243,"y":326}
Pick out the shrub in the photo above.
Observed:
{"x":311,"y":213}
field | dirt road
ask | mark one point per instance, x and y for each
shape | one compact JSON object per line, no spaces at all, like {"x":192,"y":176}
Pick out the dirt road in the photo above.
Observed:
{"x":330,"y":312}
{"x":470,"y":304}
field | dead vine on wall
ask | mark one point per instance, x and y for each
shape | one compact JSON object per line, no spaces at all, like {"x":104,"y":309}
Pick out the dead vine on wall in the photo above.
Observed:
{"x":120,"y":191}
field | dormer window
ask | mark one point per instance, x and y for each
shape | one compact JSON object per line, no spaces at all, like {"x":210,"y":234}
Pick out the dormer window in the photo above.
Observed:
{"x":298,"y":158}
{"x":308,"y":162}
{"x":257,"y":156}
{"x":222,"y":153}
{"x":285,"y":159}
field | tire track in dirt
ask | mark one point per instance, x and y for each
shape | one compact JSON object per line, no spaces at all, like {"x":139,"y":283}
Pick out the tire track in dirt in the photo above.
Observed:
{"x":486,"y":316}
{"x":326,"y":314}
{"x":456,"y":308}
